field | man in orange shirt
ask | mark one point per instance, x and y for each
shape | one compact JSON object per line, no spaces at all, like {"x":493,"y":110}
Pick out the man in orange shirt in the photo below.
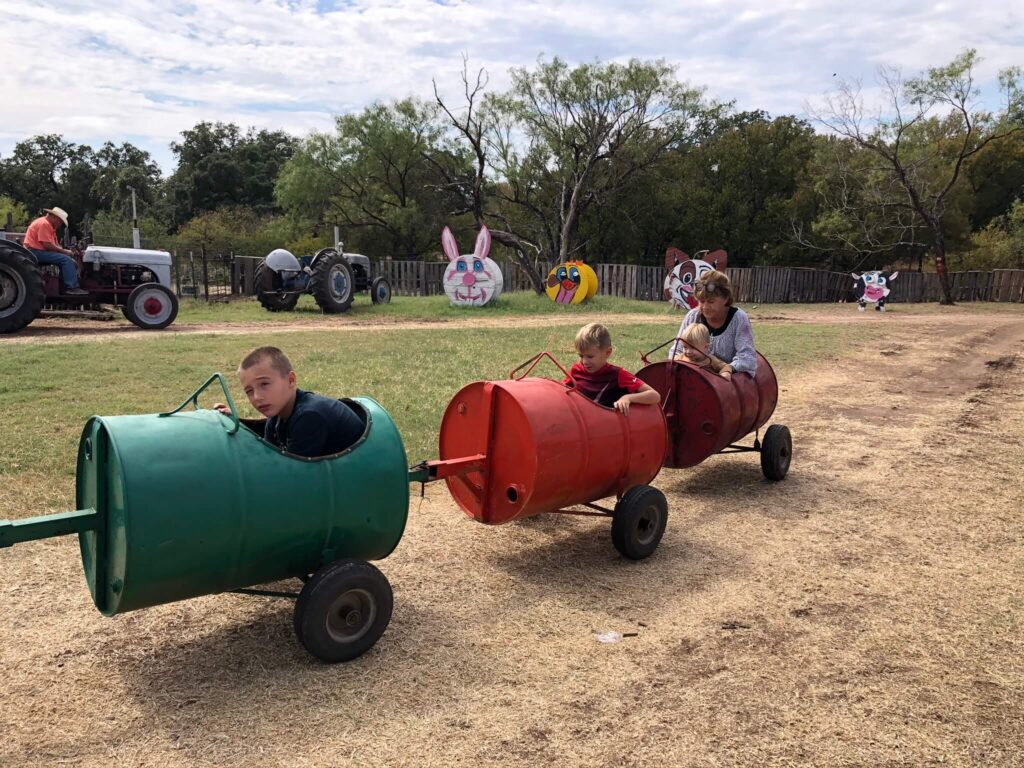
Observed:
{"x":41,"y":240}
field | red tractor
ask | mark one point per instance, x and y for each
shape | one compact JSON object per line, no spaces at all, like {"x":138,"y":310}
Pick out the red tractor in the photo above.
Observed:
{"x":136,"y":280}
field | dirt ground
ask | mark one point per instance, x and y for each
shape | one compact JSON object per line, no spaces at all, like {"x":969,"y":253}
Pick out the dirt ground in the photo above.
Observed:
{"x":867,"y":611}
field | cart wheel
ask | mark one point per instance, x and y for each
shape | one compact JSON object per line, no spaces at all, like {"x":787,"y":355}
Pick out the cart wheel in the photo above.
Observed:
{"x":343,"y":610}
{"x":776,"y":452}
{"x":380,"y":291}
{"x":639,"y":522}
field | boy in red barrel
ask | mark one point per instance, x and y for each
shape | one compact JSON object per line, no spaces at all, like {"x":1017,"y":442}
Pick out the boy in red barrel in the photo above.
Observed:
{"x":597,"y":379}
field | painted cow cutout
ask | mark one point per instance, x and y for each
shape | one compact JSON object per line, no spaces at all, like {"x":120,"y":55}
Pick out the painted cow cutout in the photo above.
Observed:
{"x":872,"y":288}
{"x":684,"y":273}
{"x":472,"y":279}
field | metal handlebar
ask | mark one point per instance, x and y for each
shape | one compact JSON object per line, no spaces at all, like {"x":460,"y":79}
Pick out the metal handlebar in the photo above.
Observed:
{"x":643,"y":355}
{"x":532,"y":363}
{"x":194,"y":399}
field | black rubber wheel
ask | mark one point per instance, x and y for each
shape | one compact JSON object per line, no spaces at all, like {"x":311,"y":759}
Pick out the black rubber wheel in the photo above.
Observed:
{"x":21,"y":288}
{"x":380,"y":291}
{"x":776,"y":452}
{"x":343,"y":610}
{"x":266,"y":282}
{"x":332,"y":283}
{"x":151,"y":306}
{"x":639,"y":522}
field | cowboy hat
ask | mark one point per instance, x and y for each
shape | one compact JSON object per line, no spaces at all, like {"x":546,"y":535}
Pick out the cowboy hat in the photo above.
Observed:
{"x":60,"y":213}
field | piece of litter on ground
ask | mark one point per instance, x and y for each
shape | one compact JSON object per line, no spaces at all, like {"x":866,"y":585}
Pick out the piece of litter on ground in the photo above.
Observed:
{"x":608,"y":637}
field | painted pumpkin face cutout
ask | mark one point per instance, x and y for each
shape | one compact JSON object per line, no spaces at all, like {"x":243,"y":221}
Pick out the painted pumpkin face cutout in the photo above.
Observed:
{"x":684,"y":273}
{"x":473,"y":279}
{"x":571,"y":283}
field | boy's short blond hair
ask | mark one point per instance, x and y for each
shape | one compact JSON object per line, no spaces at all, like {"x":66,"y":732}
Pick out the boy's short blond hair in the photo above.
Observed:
{"x":592,"y":335}
{"x":711,"y":284}
{"x":697,"y":336}
{"x":278,"y":360}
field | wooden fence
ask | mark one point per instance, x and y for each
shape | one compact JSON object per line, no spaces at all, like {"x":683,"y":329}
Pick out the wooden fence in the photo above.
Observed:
{"x":234,"y":276}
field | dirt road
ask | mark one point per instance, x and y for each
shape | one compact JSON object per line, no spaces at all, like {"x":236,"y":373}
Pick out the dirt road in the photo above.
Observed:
{"x":869,"y":610}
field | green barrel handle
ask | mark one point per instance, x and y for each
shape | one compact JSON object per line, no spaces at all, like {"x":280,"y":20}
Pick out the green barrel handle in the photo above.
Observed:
{"x":194,"y":399}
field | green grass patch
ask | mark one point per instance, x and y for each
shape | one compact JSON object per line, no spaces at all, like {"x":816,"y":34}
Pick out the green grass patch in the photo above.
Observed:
{"x":411,"y":308}
{"x":50,"y":390}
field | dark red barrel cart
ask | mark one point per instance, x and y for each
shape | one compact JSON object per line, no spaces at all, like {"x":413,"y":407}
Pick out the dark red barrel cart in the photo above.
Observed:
{"x":707,"y":414}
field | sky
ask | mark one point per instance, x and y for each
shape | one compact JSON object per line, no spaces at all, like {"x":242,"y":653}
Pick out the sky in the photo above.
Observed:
{"x":144,"y":70}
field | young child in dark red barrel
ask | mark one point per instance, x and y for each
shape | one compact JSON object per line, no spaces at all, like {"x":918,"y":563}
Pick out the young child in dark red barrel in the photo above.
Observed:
{"x":597,"y":379}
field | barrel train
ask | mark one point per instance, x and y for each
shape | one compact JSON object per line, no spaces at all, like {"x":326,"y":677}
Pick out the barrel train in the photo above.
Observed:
{"x":193,"y":502}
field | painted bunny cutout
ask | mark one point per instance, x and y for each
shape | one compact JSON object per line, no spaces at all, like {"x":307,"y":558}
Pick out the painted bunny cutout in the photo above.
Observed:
{"x":473,"y":279}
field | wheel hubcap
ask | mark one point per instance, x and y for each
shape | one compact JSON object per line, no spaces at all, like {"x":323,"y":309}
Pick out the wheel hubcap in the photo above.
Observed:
{"x":152,"y":306}
{"x":351,"y":615}
{"x":12,"y":291}
{"x":339,"y":283}
{"x":647,"y":525}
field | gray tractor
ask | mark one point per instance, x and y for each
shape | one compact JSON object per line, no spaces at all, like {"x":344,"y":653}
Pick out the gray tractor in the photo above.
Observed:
{"x":331,"y":276}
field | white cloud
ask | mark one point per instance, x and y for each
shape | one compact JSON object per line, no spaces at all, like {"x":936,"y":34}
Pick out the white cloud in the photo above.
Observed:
{"x":143,"y":70}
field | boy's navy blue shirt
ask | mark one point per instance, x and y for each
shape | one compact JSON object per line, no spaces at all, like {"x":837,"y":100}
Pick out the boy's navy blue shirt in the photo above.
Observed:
{"x":318,"y":426}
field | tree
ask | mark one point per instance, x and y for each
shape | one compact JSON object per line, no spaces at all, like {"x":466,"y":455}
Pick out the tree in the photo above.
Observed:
{"x":474,"y":124}
{"x":376,"y":175}
{"x":118,"y":170}
{"x":11,"y":207}
{"x":587,"y":132}
{"x":928,"y":130}
{"x":219,"y":166}
{"x":45,"y":171}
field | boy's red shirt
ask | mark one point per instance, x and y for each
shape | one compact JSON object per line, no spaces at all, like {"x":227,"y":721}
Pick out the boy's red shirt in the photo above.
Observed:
{"x":605,"y":385}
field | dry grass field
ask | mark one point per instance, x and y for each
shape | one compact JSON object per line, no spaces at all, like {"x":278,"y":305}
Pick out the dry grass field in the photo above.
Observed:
{"x":866,"y":611}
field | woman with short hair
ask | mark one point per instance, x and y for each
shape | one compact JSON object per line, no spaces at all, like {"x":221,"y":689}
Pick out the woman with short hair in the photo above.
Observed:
{"x":732,"y":338}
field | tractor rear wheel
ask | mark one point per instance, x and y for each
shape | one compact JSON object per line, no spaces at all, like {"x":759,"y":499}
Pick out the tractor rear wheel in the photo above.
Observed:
{"x":332,"y":283}
{"x":21,"y":288}
{"x":151,"y":306}
{"x":343,"y":610}
{"x":270,"y":298}
{"x":638,"y":522}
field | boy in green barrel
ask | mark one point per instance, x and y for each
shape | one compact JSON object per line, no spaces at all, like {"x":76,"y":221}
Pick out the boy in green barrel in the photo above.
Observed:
{"x":300,"y":422}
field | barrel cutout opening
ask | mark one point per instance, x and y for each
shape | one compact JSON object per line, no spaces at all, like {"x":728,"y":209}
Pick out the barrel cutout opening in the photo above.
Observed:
{"x":512,"y":494}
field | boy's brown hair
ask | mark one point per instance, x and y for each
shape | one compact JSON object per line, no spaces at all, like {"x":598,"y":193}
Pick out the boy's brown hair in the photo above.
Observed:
{"x":592,"y":335}
{"x":696,"y":335}
{"x":278,"y":360}
{"x":711,"y":284}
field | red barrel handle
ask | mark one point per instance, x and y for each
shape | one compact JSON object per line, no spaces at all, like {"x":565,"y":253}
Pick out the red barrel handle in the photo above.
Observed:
{"x":532,"y":363}
{"x":643,"y":355}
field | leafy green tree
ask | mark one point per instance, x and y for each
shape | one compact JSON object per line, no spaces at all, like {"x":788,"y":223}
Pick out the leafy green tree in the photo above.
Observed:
{"x":376,"y":177}
{"x":118,"y":170}
{"x":47,"y":171}
{"x":11,"y":207}
{"x":923,"y":137}
{"x":589,"y":131}
{"x":218,"y":165}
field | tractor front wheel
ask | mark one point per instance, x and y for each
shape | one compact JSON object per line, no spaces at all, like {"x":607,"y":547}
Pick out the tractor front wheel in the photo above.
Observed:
{"x":343,"y":610}
{"x":21,"y":288}
{"x":151,"y":306}
{"x":380,"y":291}
{"x":332,"y":283}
